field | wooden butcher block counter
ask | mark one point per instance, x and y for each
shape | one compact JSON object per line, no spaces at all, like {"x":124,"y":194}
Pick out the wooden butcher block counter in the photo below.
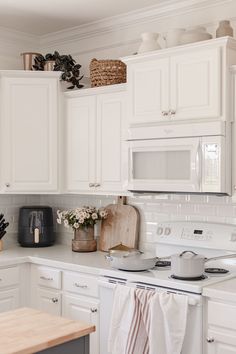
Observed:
{"x":27,"y":331}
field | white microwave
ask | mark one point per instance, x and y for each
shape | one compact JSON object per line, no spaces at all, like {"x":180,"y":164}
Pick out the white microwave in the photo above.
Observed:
{"x":184,"y":165}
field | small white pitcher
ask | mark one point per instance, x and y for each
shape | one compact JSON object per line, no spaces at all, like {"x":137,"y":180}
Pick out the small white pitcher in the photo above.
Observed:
{"x":149,"y":42}
{"x":172,"y":37}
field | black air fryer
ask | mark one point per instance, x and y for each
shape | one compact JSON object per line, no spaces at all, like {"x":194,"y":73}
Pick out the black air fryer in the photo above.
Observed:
{"x":35,"y":227}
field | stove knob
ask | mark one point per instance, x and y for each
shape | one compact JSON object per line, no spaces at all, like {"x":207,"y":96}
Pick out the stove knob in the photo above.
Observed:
{"x":160,"y":230}
{"x":210,"y":340}
{"x":167,"y":231}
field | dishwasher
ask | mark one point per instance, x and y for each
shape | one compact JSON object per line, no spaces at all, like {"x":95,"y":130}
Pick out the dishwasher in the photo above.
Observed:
{"x":193,"y":337}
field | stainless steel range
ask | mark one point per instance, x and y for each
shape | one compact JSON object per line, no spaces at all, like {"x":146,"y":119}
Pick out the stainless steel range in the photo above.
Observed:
{"x":174,"y":237}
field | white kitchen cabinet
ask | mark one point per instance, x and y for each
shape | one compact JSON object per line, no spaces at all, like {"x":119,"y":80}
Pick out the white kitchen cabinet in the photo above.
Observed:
{"x":96,"y":153}
{"x":48,"y":301}
{"x":9,"y":300}
{"x":29,"y":131}
{"x":180,"y":84}
{"x":86,"y":310}
{"x":220,"y":318}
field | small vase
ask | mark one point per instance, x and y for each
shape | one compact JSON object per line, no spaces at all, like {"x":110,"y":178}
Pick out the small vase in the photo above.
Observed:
{"x":224,"y":29}
{"x":84,"y":240}
{"x":149,"y":42}
{"x":49,"y":65}
{"x":28,"y":60}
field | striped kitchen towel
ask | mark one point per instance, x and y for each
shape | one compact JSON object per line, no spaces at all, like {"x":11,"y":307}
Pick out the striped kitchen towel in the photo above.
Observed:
{"x":147,"y":322}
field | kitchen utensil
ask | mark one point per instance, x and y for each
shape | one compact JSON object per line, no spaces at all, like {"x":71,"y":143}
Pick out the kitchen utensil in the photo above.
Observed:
{"x":134,"y":262}
{"x":189,"y":264}
{"x":195,"y":34}
{"x":121,"y":226}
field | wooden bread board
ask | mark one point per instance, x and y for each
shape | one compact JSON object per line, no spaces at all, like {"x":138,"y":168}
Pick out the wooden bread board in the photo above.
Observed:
{"x":121,"y":226}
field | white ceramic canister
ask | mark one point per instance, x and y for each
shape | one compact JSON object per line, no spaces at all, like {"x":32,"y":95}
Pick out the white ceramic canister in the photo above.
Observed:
{"x":172,"y":37}
{"x":149,"y":42}
{"x":195,"y":34}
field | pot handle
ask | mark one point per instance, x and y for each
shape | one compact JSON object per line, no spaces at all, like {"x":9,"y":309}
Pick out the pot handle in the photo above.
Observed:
{"x":184,"y":252}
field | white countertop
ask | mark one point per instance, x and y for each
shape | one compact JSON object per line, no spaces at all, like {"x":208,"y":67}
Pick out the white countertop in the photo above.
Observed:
{"x":56,"y":256}
{"x":61,"y":256}
{"x":225,"y":290}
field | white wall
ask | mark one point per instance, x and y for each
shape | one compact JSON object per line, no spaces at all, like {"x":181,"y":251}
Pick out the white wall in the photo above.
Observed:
{"x":120,"y":36}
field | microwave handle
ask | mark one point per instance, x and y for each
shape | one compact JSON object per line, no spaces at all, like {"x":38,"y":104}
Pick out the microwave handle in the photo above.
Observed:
{"x":198,"y":165}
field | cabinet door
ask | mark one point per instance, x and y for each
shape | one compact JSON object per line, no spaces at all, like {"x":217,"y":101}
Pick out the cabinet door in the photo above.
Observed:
{"x":148,"y":91}
{"x":221,"y":342}
{"x":9,"y":300}
{"x":81,"y":143}
{"x":111,"y":148}
{"x":196,"y":85}
{"x":48,"y":301}
{"x":85,"y":310}
{"x":29,"y":134}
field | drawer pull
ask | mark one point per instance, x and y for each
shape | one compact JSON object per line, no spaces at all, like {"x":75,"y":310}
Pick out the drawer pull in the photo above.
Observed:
{"x":210,"y":340}
{"x":164,"y":113}
{"x":46,"y":278}
{"x":80,"y":286}
{"x":91,"y":185}
{"x":54,"y":300}
{"x":93,"y":309}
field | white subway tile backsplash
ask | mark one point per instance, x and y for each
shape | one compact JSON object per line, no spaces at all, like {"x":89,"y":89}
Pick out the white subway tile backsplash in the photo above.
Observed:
{"x":152,"y":208}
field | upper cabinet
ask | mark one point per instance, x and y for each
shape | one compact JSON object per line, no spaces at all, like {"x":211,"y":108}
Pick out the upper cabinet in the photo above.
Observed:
{"x":183,"y":83}
{"x":29,"y":125}
{"x":96,"y":154}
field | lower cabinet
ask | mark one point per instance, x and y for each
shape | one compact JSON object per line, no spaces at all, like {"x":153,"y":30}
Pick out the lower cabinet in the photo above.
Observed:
{"x":49,"y":301}
{"x":69,"y":294}
{"x":9,"y":288}
{"x":220,"y":327}
{"x":9,"y":300}
{"x":85,"y":310}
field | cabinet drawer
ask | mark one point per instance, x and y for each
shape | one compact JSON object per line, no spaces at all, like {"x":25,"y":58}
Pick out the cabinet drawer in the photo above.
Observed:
{"x":80,"y":284}
{"x":9,"y":277}
{"x":222,"y":315}
{"x":48,"y":277}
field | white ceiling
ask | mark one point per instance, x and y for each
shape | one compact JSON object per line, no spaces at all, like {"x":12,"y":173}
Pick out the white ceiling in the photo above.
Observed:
{"x":40,"y":17}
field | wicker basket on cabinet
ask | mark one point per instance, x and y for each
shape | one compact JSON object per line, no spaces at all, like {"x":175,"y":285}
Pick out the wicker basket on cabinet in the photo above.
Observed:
{"x":107,"y":72}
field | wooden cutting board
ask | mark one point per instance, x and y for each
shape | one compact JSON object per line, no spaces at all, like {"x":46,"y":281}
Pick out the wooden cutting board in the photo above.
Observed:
{"x":121,"y":226}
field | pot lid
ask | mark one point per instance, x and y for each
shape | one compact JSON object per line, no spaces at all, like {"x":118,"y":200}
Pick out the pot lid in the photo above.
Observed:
{"x":189,"y":255}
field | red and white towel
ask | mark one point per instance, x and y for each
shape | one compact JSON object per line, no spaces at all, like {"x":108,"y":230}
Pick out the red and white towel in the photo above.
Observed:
{"x":147,"y":322}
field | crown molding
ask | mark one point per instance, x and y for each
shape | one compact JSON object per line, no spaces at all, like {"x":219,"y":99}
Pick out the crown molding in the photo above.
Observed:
{"x":166,"y":8}
{"x":16,"y":36}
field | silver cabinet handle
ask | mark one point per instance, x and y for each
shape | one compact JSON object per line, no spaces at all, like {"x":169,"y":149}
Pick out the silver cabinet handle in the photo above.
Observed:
{"x":210,"y":340}
{"x":171,"y":112}
{"x":54,"y":300}
{"x":91,"y":184}
{"x":97,"y":185}
{"x":46,"y":278}
{"x":93,"y":309}
{"x":164,"y":113}
{"x":7,"y":184}
{"x":78,"y":285}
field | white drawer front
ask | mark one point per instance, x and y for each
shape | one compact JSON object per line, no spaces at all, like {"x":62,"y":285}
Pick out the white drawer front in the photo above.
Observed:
{"x":9,"y":277}
{"x":48,"y":277}
{"x":80,"y":284}
{"x":222,"y":315}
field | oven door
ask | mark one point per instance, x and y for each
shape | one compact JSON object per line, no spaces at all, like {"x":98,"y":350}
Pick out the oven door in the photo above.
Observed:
{"x":165,"y":165}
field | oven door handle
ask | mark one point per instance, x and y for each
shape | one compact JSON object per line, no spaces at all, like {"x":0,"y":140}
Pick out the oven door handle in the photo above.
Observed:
{"x":106,"y":284}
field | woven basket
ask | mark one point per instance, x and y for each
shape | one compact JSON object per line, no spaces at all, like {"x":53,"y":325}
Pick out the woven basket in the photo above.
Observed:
{"x":107,"y":72}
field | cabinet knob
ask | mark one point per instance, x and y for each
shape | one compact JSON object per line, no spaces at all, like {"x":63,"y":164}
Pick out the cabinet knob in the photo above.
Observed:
{"x":235,"y":187}
{"x":93,"y":309}
{"x":91,"y":185}
{"x":7,"y":185}
{"x":210,"y":340}
{"x":97,"y":185}
{"x":172,"y":112}
{"x":164,"y":113}
{"x":54,"y":300}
